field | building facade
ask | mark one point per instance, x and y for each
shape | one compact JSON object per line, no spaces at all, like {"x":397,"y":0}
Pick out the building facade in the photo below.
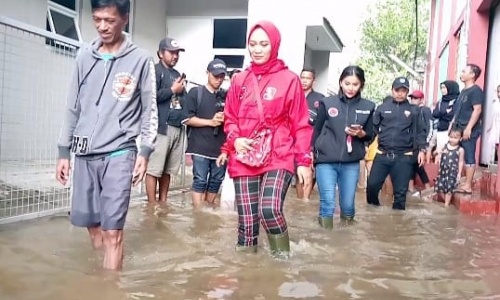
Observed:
{"x":465,"y":31}
{"x":39,"y":40}
{"x":207,"y":29}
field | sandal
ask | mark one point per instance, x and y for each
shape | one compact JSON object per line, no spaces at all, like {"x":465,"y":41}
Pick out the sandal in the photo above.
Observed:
{"x":462,"y":191}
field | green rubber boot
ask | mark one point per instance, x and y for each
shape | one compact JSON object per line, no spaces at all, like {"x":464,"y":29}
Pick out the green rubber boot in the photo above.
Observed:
{"x":347,"y":219}
{"x":279,"y":244}
{"x":326,"y":222}
{"x":246,"y":249}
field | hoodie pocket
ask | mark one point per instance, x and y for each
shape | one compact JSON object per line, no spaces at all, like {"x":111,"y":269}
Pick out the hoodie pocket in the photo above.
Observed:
{"x":107,"y":134}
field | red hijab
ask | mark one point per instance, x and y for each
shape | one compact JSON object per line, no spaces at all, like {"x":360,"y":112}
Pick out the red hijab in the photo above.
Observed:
{"x":273,"y":64}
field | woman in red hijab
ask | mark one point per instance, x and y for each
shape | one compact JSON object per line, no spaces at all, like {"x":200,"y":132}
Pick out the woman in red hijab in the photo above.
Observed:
{"x":268,"y":134}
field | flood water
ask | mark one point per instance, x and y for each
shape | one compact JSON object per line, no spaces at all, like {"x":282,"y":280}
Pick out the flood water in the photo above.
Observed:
{"x":427,"y":252}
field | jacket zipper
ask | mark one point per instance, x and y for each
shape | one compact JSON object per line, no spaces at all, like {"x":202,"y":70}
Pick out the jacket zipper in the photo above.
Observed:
{"x":397,"y":126}
{"x":98,"y":106}
{"x":346,"y":105}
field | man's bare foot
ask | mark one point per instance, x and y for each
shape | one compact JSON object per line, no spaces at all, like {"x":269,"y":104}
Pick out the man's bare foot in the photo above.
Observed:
{"x":427,"y":199}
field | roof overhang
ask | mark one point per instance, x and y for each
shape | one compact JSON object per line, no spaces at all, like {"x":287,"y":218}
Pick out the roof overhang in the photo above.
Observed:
{"x":323,"y":37}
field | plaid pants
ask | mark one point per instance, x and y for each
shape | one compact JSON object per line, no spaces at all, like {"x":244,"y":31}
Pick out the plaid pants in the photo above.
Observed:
{"x":261,"y":198}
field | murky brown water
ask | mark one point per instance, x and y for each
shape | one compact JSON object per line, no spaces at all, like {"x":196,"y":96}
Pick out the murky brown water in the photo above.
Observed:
{"x":427,"y":252}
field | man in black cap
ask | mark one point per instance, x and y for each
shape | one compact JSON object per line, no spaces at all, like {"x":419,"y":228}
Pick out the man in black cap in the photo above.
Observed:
{"x":165,"y":160}
{"x":204,"y":115}
{"x":401,"y":132}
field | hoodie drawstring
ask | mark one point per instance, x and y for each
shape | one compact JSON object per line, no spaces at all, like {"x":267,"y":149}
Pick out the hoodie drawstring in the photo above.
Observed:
{"x":105,"y":81}
{"x":83,"y":81}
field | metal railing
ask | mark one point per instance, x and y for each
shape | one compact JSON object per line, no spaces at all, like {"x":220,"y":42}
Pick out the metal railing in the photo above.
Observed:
{"x":35,"y":69}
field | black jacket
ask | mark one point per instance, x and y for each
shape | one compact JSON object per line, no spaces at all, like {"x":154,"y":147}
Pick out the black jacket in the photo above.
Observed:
{"x":334,"y":115}
{"x":447,"y":102}
{"x":164,"y":79}
{"x":400,"y":127}
{"x":444,"y":117}
{"x":313,"y":99}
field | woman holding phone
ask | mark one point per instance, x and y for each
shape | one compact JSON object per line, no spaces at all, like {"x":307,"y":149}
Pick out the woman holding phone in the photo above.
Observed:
{"x":343,"y":125}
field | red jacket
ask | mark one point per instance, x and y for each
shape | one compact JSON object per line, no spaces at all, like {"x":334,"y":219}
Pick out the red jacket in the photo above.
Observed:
{"x":285,"y":108}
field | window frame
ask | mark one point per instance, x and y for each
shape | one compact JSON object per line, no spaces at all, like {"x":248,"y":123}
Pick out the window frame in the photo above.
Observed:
{"x":130,"y":20}
{"x":230,"y":51}
{"x":74,"y":14}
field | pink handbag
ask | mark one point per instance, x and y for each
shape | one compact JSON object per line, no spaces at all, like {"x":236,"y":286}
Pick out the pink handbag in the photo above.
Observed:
{"x":262,"y":137}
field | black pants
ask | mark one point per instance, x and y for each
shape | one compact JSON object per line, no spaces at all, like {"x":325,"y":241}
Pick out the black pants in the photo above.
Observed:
{"x":400,"y":168}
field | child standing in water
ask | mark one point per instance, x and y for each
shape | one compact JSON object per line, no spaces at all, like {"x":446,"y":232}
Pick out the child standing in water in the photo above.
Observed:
{"x":451,"y":162}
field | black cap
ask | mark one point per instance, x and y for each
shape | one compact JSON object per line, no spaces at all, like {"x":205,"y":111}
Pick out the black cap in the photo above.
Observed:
{"x":217,"y":67}
{"x":169,"y":44}
{"x":401,"y":82}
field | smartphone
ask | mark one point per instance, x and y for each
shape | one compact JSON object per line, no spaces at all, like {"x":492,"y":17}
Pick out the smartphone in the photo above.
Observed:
{"x":355,"y":126}
{"x":183,"y":76}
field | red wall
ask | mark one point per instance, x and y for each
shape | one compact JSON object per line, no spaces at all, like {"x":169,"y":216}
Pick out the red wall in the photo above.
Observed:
{"x":477,"y":43}
{"x":476,"y":50}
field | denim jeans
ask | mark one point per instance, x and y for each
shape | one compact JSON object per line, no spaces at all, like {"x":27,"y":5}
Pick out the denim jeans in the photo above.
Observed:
{"x":207,"y":177}
{"x":328,"y":176}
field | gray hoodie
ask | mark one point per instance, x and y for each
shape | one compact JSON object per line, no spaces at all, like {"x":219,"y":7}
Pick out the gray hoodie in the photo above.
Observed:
{"x":110,"y":103}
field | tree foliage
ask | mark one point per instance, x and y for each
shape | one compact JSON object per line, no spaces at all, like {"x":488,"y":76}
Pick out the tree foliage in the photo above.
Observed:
{"x":390,"y":29}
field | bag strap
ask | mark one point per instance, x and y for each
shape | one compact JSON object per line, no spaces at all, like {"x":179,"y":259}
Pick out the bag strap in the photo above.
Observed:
{"x":257,"y":97}
{"x":198,"y":98}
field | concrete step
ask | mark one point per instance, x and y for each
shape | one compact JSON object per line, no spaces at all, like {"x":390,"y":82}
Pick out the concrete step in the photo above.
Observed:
{"x":475,"y":204}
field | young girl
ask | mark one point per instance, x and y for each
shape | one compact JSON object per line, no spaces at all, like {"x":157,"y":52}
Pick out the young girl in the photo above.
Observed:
{"x":451,"y":162}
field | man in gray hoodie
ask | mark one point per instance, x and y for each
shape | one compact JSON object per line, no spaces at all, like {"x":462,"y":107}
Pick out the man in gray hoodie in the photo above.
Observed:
{"x":111,"y":101}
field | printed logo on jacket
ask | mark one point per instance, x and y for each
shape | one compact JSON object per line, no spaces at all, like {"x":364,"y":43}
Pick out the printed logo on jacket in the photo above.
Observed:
{"x":333,"y":112}
{"x":124,"y":85}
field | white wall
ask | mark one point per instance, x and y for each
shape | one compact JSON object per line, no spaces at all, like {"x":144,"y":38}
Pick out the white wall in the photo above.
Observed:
{"x":195,"y":34}
{"x":32,"y":12}
{"x":446,"y":6}
{"x":319,"y":61}
{"x":460,"y":6}
{"x":149,"y":24}
{"x":210,"y":8}
{"x":492,"y":81}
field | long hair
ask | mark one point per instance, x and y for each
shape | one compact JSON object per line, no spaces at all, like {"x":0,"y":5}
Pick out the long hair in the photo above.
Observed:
{"x":352,"y":71}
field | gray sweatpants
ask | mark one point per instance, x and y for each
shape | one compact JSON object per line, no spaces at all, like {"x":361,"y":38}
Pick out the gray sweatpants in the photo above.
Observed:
{"x":101,"y":191}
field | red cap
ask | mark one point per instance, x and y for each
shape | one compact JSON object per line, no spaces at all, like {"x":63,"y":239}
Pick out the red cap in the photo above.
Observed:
{"x":417,"y":94}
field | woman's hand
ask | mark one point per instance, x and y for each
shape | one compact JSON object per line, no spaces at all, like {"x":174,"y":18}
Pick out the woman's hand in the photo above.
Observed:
{"x":304,"y":174}
{"x":355,"y":131}
{"x":242,"y":145}
{"x":221,"y":160}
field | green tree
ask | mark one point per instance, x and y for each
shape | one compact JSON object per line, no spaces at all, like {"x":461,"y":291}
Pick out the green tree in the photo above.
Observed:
{"x":390,"y":29}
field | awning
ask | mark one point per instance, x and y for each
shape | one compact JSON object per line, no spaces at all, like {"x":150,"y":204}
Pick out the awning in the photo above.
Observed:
{"x":323,"y":38}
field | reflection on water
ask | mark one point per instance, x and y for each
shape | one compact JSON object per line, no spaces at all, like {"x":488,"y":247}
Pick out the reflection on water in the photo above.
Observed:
{"x":427,"y":252}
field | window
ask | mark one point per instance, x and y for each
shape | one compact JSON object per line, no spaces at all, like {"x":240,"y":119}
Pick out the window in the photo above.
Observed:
{"x":232,"y":61}
{"x":130,"y":25}
{"x":230,"y":33}
{"x":229,"y":41}
{"x":62,"y":19}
